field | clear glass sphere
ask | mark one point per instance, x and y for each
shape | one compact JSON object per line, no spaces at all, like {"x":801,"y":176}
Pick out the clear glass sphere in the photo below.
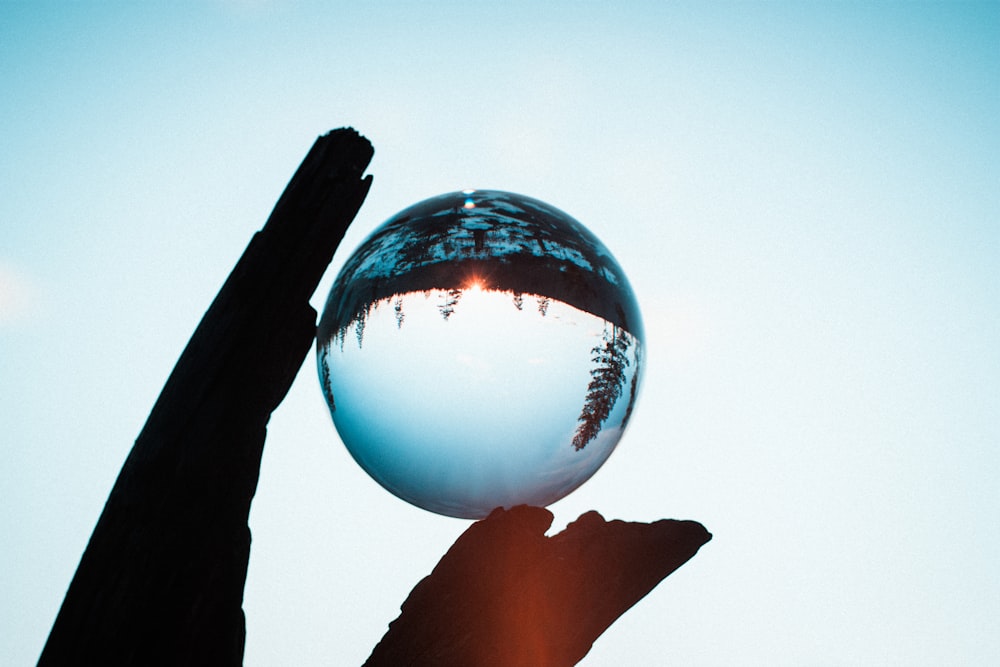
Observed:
{"x":480,"y":349}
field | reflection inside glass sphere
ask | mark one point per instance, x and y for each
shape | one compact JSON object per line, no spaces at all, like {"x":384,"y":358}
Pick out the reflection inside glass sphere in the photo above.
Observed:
{"x":480,"y":349}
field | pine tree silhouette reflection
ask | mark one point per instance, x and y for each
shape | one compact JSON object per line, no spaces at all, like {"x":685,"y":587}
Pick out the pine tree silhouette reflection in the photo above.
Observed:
{"x":606,"y":385}
{"x":452,"y":298}
{"x":398,"y":308}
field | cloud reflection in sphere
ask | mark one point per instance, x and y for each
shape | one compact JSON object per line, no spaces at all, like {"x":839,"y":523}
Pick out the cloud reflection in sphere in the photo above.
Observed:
{"x":480,"y":349}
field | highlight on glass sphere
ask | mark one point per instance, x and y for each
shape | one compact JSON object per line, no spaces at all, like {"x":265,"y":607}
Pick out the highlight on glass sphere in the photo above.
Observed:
{"x":480,"y":349}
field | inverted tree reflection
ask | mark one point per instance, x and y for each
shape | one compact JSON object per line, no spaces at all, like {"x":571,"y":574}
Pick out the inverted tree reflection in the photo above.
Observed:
{"x":607,"y":381}
{"x":521,"y":245}
{"x":398,"y":307}
{"x":451,"y":299}
{"x":610,"y":360}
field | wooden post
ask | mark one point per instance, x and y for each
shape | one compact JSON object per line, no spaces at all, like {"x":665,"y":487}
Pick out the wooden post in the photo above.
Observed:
{"x":161,"y":580}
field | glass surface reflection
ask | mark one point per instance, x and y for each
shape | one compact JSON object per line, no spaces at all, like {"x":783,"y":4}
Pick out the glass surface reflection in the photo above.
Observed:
{"x":480,"y":349}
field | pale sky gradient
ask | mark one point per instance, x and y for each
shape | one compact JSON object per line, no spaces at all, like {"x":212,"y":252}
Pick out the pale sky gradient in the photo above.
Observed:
{"x":805,"y":196}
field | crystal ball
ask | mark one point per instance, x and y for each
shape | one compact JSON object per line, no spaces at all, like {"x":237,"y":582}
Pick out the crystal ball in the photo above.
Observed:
{"x":480,"y":349}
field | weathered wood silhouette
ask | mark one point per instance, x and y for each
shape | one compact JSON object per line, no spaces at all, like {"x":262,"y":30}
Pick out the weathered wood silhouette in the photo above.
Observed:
{"x":161,"y":580}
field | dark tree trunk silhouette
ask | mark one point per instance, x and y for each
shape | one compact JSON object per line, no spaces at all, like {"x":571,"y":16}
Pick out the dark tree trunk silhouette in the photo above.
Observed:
{"x":161,"y":581}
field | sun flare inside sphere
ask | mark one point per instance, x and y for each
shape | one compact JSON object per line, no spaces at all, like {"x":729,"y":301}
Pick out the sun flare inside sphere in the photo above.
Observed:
{"x":480,"y":349}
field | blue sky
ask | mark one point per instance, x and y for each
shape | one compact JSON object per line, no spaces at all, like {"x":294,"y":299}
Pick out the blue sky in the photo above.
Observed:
{"x":805,"y":198}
